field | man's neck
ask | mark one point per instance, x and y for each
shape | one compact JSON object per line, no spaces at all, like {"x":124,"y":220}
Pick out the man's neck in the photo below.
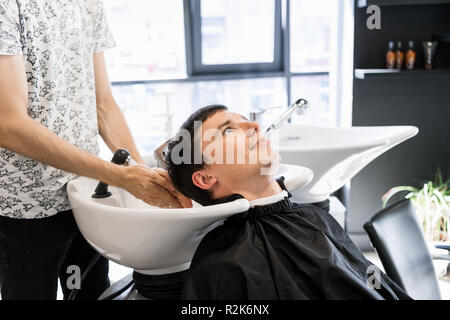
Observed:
{"x":265,"y":186}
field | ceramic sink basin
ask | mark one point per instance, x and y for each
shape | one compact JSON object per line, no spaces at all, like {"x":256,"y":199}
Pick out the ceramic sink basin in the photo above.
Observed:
{"x":149,"y":239}
{"x":335,"y":155}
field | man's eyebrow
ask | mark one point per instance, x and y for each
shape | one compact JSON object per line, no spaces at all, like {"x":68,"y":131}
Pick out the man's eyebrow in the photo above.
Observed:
{"x":224,"y":124}
{"x":227,"y":122}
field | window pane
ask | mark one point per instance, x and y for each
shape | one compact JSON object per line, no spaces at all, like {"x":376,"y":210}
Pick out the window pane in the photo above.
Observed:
{"x":146,"y":106}
{"x":237,"y":31}
{"x":315,"y":89}
{"x":150,"y":40}
{"x":310,"y":23}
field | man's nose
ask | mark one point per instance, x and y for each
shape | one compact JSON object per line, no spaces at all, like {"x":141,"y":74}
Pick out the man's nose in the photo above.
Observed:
{"x":251,"y":125}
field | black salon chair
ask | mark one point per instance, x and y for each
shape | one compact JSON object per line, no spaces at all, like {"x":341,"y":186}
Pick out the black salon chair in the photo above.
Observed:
{"x":397,"y":237}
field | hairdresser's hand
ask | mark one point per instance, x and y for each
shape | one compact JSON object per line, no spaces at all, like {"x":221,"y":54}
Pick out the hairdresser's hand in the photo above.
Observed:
{"x":184,"y":201}
{"x":148,"y":185}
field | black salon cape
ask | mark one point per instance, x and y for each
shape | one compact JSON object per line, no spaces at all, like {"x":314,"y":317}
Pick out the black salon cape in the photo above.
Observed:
{"x":282,"y":250}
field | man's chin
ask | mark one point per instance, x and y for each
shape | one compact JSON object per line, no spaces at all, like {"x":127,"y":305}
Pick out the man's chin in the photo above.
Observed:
{"x":270,"y":165}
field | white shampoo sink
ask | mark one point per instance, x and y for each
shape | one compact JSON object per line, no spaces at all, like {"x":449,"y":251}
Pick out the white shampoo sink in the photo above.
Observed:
{"x":149,"y":239}
{"x":335,"y":155}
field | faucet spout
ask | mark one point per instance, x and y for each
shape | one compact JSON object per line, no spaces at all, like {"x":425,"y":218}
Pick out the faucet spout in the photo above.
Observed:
{"x":301,"y":106}
{"x":256,"y":116}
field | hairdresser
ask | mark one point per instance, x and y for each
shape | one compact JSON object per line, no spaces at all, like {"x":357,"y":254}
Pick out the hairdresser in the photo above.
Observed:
{"x":55,"y":99}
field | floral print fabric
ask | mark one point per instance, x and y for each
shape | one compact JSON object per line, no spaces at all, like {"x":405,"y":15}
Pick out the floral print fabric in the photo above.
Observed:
{"x":57,"y":39}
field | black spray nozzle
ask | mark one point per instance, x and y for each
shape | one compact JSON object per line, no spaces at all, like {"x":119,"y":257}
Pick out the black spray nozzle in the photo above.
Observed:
{"x":120,"y":157}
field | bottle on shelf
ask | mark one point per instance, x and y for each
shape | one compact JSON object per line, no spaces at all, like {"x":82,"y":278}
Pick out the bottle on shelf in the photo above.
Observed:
{"x":410,"y":56}
{"x":390,"y":56}
{"x":429,"y":49}
{"x":399,"y":56}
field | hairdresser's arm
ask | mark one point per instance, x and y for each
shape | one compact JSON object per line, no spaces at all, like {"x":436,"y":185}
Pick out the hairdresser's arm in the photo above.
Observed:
{"x":111,"y":122}
{"x":114,"y":130}
{"x":21,"y":134}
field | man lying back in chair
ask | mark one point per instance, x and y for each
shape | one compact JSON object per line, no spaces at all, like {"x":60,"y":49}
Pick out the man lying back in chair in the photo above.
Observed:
{"x":277,"y":249}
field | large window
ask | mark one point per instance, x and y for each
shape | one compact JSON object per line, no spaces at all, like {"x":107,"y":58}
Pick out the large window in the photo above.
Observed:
{"x":311,"y":23}
{"x":317,"y":91}
{"x":150,"y":40}
{"x":175,"y":56}
{"x":235,"y":35}
{"x":155,"y":110}
{"x":230,"y":35}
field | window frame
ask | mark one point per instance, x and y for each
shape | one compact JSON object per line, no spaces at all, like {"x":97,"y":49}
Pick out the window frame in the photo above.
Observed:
{"x":198,"y":68}
{"x":283,"y":71}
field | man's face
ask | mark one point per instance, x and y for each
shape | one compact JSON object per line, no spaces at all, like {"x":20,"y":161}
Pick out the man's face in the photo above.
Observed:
{"x":234,"y":149}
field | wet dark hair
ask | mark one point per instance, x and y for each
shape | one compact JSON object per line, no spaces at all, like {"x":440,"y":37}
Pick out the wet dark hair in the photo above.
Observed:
{"x":181,"y":174}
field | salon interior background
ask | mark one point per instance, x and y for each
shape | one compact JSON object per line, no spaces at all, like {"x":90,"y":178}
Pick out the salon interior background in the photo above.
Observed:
{"x":174,"y":56}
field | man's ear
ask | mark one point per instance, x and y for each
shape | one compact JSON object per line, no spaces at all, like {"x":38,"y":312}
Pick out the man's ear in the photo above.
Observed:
{"x":203,"y":180}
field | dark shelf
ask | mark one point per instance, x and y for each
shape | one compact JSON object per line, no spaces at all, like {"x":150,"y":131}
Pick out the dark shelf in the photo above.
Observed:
{"x":365,"y":3}
{"x":394,"y":73}
{"x":441,"y":37}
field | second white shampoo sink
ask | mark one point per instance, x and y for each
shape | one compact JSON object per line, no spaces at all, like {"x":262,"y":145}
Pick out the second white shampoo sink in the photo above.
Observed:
{"x":335,"y":155}
{"x":149,"y":239}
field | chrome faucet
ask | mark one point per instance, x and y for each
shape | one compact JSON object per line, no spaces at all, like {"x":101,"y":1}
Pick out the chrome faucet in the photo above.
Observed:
{"x":257,"y":115}
{"x":301,"y":106}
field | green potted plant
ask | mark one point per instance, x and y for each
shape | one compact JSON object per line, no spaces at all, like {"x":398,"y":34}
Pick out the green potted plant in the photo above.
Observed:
{"x":432,"y":203}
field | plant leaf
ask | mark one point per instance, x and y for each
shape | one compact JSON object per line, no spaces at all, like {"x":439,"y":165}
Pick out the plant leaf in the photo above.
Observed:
{"x":385,"y":198}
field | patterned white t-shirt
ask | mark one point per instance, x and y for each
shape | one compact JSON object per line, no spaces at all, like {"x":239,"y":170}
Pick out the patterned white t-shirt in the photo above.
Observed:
{"x":57,"y":39}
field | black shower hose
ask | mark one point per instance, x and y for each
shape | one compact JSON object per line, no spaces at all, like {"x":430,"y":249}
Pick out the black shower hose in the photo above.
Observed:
{"x":91,"y":265}
{"x":120,"y":157}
